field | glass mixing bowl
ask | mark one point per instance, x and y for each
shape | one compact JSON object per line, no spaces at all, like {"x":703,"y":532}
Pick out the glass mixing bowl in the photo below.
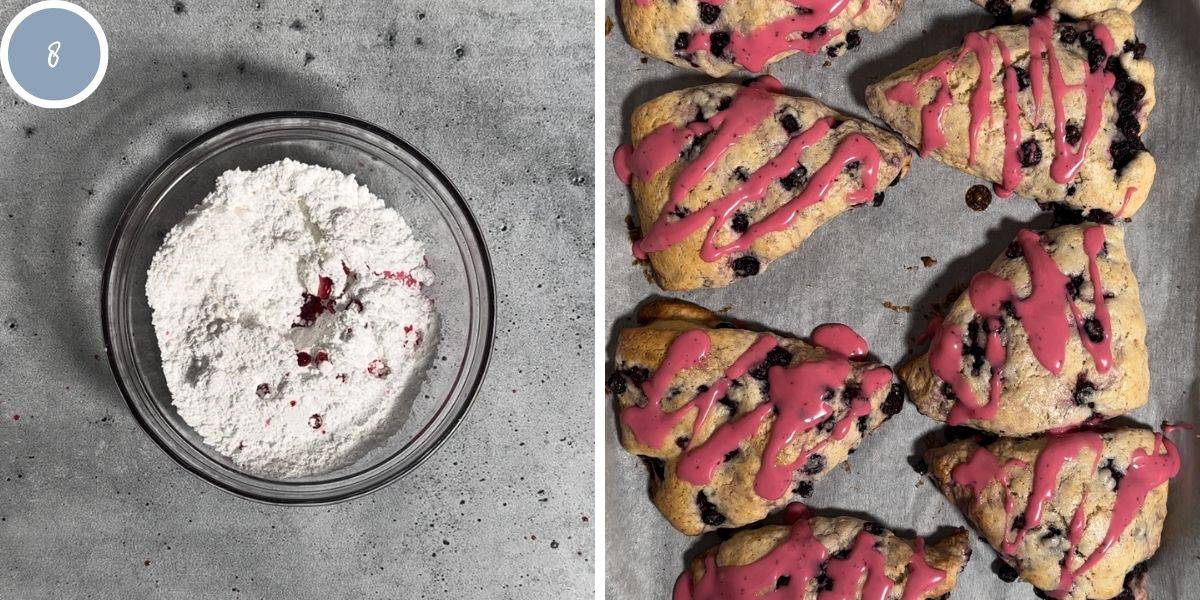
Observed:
{"x":408,"y":182}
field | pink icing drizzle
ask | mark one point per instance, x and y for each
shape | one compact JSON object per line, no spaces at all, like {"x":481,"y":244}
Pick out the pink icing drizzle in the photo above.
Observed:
{"x":1067,"y":158}
{"x":1169,"y":427}
{"x":981,"y":470}
{"x":748,"y":109}
{"x":650,"y":424}
{"x":796,"y":398}
{"x":755,"y":49}
{"x":1043,"y":315}
{"x":860,"y":574}
{"x":905,"y":92}
{"x":1059,"y":449}
{"x":1129,"y":192}
{"x":921,"y":576}
{"x":1011,"y":174}
{"x":1146,"y":472}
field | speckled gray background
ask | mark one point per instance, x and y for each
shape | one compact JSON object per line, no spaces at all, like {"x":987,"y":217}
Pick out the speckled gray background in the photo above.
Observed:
{"x":850,"y":267}
{"x":499,"y":94}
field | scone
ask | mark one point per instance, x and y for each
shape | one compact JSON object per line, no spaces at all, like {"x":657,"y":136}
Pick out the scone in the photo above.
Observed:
{"x":723,"y":36}
{"x":728,"y":178}
{"x":1050,"y":336}
{"x":732,"y":423}
{"x":1008,"y":10}
{"x":1062,"y":126}
{"x":839,"y":557}
{"x":1075,"y":514}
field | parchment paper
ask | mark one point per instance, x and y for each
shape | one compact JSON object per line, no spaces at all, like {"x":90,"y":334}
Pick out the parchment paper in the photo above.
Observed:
{"x":850,"y":267}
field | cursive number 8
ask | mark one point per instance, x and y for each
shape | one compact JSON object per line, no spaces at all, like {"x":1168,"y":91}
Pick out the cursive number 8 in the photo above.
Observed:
{"x":52,"y":59}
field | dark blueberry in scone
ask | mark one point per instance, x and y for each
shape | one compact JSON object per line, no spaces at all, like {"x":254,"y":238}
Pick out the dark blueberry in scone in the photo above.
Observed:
{"x":717,"y":42}
{"x":745,"y":266}
{"x":740,"y":223}
{"x":1029,"y":153}
{"x":682,"y":40}
{"x":615,"y":383}
{"x":1000,"y":9}
{"x":708,"y":511}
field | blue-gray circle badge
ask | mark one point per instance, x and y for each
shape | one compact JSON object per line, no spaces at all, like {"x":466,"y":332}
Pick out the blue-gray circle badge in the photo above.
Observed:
{"x":54,"y":54}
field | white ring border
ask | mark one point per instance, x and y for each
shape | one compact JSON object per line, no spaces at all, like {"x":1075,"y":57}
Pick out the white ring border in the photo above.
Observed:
{"x":20,"y":18}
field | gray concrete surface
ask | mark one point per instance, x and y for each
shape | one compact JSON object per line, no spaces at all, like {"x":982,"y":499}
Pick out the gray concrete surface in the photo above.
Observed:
{"x":500,"y":95}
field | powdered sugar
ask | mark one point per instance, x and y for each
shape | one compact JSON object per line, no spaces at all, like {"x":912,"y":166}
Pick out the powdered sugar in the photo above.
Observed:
{"x":289,"y":312}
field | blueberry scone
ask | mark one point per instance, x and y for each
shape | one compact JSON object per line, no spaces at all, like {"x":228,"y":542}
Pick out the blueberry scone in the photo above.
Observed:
{"x":837,"y":557}
{"x":727,"y":178}
{"x":723,"y":36}
{"x":1008,"y":10}
{"x":734,"y":423}
{"x":1075,"y":514}
{"x":1051,"y":111}
{"x":1052,"y":335}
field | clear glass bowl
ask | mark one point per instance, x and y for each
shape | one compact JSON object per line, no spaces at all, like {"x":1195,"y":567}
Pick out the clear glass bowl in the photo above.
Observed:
{"x":463,"y":292}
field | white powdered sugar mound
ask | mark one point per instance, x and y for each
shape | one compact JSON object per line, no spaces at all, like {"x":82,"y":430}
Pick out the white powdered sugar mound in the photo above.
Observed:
{"x":289,"y":312}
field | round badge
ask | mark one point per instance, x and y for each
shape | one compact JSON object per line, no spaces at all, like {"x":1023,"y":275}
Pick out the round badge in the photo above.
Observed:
{"x":54,"y":54}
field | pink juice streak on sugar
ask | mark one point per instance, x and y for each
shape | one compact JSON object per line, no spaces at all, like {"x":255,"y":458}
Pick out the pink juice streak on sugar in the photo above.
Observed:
{"x":860,"y":574}
{"x":1146,"y":472}
{"x":1067,"y":158}
{"x":748,"y":109}
{"x":650,"y":424}
{"x":1043,"y":315}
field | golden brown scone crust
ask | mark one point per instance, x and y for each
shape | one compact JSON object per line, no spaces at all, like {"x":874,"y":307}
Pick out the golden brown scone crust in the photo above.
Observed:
{"x":1097,"y":186}
{"x":1034,"y":399}
{"x":1076,"y":9}
{"x":1038,"y":555}
{"x":680,"y":267}
{"x":950,"y":554}
{"x":731,"y":492}
{"x":654,"y":28}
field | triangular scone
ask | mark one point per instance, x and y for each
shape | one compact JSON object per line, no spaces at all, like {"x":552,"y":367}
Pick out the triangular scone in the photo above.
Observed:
{"x":1062,"y":127}
{"x":1034,"y":343}
{"x":728,"y":178}
{"x":722,"y":37}
{"x":1075,"y":514}
{"x":1007,"y":10}
{"x":843,"y":557}
{"x":777,"y":413}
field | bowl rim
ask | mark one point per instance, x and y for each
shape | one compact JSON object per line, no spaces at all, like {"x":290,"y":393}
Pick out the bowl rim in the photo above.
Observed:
{"x":487,"y":289}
